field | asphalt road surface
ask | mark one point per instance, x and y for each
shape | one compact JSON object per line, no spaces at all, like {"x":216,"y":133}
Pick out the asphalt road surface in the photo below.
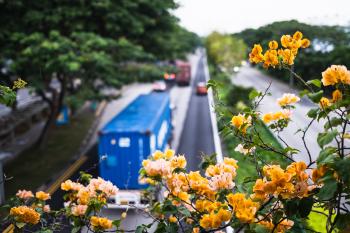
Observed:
{"x":197,"y":135}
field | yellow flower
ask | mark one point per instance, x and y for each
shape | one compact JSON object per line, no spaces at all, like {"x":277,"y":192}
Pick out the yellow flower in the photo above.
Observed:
{"x":25,"y":214}
{"x":172,"y":219}
{"x":205,"y":221}
{"x":169,"y":153}
{"x":270,"y":58}
{"x":336,"y":96}
{"x":239,"y":120}
{"x":42,"y":195}
{"x":288,"y":56}
{"x":324,"y":102}
{"x":256,"y":55}
{"x":286,"y":40}
{"x":19,"y":83}
{"x":298,"y":35}
{"x":244,"y":209}
{"x":100,"y":223}
{"x":195,"y":230}
{"x":158,"y":155}
{"x":305,"y":43}
{"x":268,"y":117}
{"x":288,"y":99}
{"x":273,"y":45}
{"x":336,"y":74}
{"x":178,"y":162}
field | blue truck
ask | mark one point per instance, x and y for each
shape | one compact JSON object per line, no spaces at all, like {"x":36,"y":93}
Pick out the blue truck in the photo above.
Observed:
{"x":141,"y":128}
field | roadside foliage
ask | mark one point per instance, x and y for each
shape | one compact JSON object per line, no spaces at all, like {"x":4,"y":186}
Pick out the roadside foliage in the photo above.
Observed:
{"x":209,"y":200}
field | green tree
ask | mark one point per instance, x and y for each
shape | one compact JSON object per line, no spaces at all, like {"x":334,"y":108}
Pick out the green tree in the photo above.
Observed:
{"x":50,"y":40}
{"x":225,"y":51}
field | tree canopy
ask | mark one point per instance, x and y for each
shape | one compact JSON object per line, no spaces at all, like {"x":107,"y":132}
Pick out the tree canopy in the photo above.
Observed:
{"x":225,"y":51}
{"x":88,"y":40}
{"x":330,"y":45}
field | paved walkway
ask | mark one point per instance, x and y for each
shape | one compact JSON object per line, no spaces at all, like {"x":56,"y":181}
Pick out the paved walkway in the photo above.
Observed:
{"x":251,"y":77}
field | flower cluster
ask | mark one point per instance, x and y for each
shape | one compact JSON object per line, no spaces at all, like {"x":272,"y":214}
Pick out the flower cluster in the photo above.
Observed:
{"x":80,"y":197}
{"x":25,"y":214}
{"x":276,"y":116}
{"x":241,"y":122}
{"x":288,"y":99}
{"x":99,"y":223}
{"x":244,"y":209}
{"x":29,"y":208}
{"x":289,"y":183}
{"x":284,"y":56}
{"x":336,"y":74}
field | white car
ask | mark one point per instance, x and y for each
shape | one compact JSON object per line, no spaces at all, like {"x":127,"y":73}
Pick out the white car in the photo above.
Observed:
{"x":159,"y":86}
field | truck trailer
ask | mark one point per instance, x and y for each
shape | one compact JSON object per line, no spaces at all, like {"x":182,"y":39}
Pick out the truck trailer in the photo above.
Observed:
{"x":140,"y":129}
{"x":183,"y":77}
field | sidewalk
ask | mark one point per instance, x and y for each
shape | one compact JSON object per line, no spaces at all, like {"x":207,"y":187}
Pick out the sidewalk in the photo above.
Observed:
{"x":251,"y":77}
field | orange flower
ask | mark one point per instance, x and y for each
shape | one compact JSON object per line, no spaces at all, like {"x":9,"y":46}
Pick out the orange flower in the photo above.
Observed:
{"x":298,"y":35}
{"x":336,"y":74}
{"x":324,"y":102}
{"x":270,"y":58}
{"x":305,"y":43}
{"x":100,"y":223}
{"x":336,"y":96}
{"x":256,"y":55}
{"x":288,"y":99}
{"x":42,"y":195}
{"x":25,"y":214}
{"x":273,"y":45}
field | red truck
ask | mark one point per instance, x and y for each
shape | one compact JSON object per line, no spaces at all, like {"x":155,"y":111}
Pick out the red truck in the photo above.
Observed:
{"x":183,"y":77}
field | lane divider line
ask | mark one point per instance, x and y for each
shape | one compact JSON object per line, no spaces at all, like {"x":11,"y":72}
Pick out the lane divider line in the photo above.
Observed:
{"x":217,"y":143}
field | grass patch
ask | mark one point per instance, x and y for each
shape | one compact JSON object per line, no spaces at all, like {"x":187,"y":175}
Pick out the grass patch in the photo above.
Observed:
{"x":35,"y":166}
{"x":231,"y":99}
{"x":246,"y":166}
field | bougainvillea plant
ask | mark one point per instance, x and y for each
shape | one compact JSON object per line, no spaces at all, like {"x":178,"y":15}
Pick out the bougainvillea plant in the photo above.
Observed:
{"x":282,"y":196}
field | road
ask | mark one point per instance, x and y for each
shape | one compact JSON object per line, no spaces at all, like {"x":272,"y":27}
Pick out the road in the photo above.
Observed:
{"x":197,"y":135}
{"x":251,"y":77}
{"x":192,"y":135}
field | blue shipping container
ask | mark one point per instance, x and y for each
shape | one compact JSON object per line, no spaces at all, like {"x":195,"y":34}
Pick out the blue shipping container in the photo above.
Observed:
{"x":130,"y":137}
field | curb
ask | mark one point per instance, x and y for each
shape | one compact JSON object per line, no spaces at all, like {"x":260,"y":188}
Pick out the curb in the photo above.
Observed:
{"x":217,"y":143}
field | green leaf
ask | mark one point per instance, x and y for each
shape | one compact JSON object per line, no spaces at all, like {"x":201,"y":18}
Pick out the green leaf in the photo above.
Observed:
{"x":315,"y":82}
{"x":116,"y":223}
{"x":304,"y":92}
{"x":315,"y":97}
{"x":305,"y":206}
{"x":253,"y":94}
{"x":291,"y":207}
{"x":333,"y":122}
{"x":326,"y":156}
{"x":328,"y":189}
{"x":183,"y":210}
{"x":312,"y":113}
{"x":260,"y":229}
{"x":20,"y":224}
{"x":325,"y":138}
